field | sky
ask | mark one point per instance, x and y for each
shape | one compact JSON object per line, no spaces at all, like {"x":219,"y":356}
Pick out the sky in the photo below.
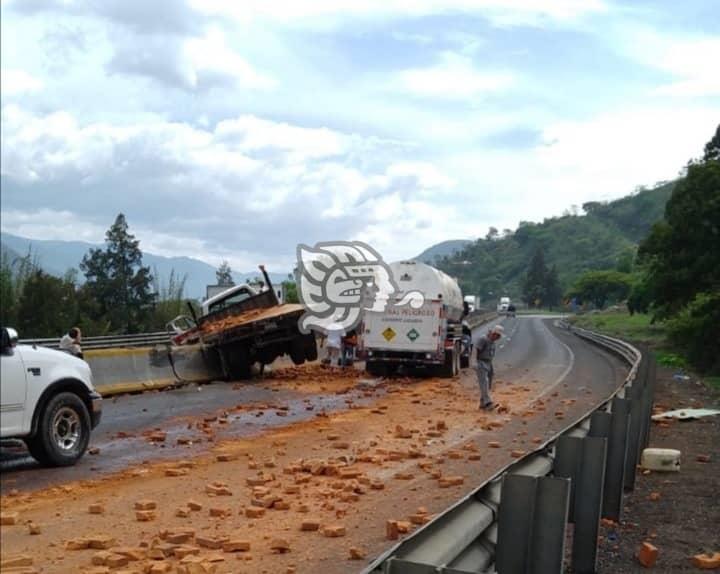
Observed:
{"x":236,"y":130}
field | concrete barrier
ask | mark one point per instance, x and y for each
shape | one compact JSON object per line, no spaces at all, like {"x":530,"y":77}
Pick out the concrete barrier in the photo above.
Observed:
{"x":129,"y":370}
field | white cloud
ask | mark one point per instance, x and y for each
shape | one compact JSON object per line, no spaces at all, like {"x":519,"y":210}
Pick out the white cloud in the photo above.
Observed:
{"x":323,"y":13}
{"x":210,"y":54}
{"x":453,"y":78}
{"x":14,"y":82}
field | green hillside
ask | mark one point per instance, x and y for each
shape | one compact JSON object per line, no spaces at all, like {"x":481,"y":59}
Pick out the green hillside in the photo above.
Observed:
{"x":605,"y":237}
{"x":442,"y":249}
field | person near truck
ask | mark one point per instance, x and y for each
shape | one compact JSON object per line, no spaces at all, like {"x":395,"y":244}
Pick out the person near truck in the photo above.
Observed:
{"x":484,"y":352}
{"x":334,"y":342}
{"x":70,"y":342}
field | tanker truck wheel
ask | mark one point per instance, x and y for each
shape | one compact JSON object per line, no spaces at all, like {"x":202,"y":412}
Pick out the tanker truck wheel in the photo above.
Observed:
{"x":451,"y":365}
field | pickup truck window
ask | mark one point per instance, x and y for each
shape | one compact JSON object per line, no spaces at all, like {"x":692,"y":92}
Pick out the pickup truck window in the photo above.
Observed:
{"x":236,"y":298}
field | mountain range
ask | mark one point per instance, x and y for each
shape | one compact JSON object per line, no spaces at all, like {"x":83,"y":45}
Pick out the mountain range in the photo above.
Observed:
{"x":56,"y":257}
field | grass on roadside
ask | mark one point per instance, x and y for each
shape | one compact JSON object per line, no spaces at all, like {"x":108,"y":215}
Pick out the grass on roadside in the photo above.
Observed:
{"x":637,"y":327}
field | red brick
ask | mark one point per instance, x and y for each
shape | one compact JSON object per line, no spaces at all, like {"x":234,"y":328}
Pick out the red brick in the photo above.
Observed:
{"x":211,"y":542}
{"x":16,"y":561}
{"x":218,"y":490}
{"x":254,"y":512}
{"x":494,"y":444}
{"x":194,"y":505}
{"x":356,"y":553}
{"x":391,"y":530}
{"x":404,"y":475}
{"x":100,"y":541}
{"x":96,"y":508}
{"x":145,"y":505}
{"x":334,"y":531}
{"x":309,"y":525}
{"x":280,"y":546}
{"x":703,"y":458}
{"x":647,"y":556}
{"x":144,"y":515}
{"x":9,"y":518}
{"x":707,"y":561}
{"x":517,"y":453}
{"x":217,"y":512}
{"x":654,"y":496}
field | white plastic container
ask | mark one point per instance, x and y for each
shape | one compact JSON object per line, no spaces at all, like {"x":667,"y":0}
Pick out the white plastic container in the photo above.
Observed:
{"x":661,"y":459}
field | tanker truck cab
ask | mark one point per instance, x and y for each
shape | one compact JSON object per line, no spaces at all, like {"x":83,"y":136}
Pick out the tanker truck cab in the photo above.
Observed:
{"x":47,"y":400}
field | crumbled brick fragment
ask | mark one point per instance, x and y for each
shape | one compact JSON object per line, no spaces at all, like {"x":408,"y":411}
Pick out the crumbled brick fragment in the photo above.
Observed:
{"x":703,"y":458}
{"x":100,"y":541}
{"x":391,"y":530}
{"x":236,"y":546}
{"x":647,"y":556}
{"x":145,"y":505}
{"x":96,"y":508}
{"x":9,"y":518}
{"x":654,"y":496}
{"x":144,"y":515}
{"x":334,"y":531}
{"x":707,"y":561}
{"x":194,"y":505}
{"x":254,"y":512}
{"x":494,"y":444}
{"x":16,"y":561}
{"x":356,"y":553}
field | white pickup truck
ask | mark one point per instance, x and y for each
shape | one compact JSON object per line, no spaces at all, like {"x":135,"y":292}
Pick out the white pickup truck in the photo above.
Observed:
{"x":48,"y":400}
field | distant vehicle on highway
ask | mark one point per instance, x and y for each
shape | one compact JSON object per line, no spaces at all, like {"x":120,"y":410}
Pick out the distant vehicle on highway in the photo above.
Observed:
{"x":48,"y":400}
{"x":473,"y":302}
{"x":503,"y":305}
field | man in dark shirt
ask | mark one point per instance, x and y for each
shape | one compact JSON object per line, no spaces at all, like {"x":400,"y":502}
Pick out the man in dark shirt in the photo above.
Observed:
{"x":485,"y":351}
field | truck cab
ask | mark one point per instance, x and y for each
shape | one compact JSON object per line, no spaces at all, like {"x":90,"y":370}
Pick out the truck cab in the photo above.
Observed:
{"x":47,"y":400}
{"x":230,"y":296}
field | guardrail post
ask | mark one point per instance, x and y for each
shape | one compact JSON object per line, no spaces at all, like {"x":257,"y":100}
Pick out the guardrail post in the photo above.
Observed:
{"x":583,"y":461}
{"x":531,"y":525}
{"x":616,"y":453}
{"x":635,"y":398}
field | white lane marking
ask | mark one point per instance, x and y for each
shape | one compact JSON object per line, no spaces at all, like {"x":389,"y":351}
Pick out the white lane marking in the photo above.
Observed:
{"x":565,"y":373}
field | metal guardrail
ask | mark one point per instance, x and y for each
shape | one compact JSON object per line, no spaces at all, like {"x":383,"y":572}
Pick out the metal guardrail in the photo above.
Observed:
{"x":515,"y":522}
{"x":108,"y":341}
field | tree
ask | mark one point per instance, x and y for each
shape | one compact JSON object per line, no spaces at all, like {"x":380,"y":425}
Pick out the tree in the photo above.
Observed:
{"x":712,"y":148}
{"x":171,"y":302}
{"x":224,"y":274}
{"x":48,"y":306}
{"x":117,"y":282}
{"x":552,"y":292}
{"x":599,"y":287}
{"x":492,"y":233}
{"x":290,"y":291}
{"x":534,"y":284}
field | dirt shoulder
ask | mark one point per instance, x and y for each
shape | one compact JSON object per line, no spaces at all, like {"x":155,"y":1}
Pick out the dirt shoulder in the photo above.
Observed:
{"x":679,"y":513}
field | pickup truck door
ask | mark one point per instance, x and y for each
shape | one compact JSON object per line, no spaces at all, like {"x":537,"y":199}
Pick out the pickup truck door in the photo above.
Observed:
{"x":13,"y":391}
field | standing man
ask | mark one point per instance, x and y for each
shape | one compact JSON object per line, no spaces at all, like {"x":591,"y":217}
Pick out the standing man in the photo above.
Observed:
{"x":485,"y":351}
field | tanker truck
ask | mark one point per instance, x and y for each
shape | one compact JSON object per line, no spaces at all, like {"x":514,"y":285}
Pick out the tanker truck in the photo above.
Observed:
{"x":429,"y":336}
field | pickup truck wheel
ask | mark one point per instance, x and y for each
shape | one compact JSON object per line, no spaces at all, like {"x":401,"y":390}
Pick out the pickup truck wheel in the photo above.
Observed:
{"x":311,"y":352}
{"x":63,"y":431}
{"x":297,"y":350}
{"x":239,"y":365}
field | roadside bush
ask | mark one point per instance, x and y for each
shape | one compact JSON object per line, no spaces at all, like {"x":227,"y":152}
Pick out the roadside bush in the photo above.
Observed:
{"x":696,"y":331}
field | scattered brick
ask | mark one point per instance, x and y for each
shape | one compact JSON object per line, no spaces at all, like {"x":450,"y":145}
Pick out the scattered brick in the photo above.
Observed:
{"x":404,"y":526}
{"x":34,"y":528}
{"x":211,"y":542}
{"x":236,"y":546}
{"x":157,"y":436}
{"x":281,"y":505}
{"x":226,"y":457}
{"x":654,"y":496}
{"x":334,"y":531}
{"x":182,"y":512}
{"x":144,"y":515}
{"x":356,"y":553}
{"x":647,"y":556}
{"x":292,"y":489}
{"x":404,"y":475}
{"x":9,"y":518}
{"x":377,"y":485}
{"x":178,"y":536}
{"x":703,"y":458}
{"x":175,"y":472}
{"x":96,"y":508}
{"x":220,"y":512}
{"x":131,"y":553}
{"x":116,"y":560}
{"x":448,"y":481}
{"x":194,"y":505}
{"x":184,"y":550}
{"x":145,"y":505}
{"x":517,"y":453}
{"x":16,"y":561}
{"x":494,"y":444}
{"x":100,"y":541}
{"x":217,"y":489}
{"x":309,"y":525}
{"x":254,"y":512}
{"x":707,"y":561}
{"x":100,"y":558}
{"x":391,"y":530}
{"x":77,"y":544}
{"x":280,"y":546}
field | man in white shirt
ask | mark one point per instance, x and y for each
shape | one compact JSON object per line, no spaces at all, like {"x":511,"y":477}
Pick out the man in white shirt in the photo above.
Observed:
{"x":335,"y":333}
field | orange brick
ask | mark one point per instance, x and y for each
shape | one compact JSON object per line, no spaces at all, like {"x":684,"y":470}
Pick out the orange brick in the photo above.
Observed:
{"x":356,"y":553}
{"x":144,"y":515}
{"x":280,"y":546}
{"x":703,"y":458}
{"x":96,"y":508}
{"x":236,"y":546}
{"x":254,"y":512}
{"x":145,"y":505}
{"x":647,"y":556}
{"x":391,"y":530}
{"x":707,"y":561}
{"x":334,"y":531}
{"x":517,"y":453}
{"x":654,"y":496}
{"x":309,"y":525}
{"x":494,"y":444}
{"x":193,"y":505}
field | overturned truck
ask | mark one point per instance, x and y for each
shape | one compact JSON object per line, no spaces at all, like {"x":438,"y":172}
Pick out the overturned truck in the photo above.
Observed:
{"x":245,"y":327}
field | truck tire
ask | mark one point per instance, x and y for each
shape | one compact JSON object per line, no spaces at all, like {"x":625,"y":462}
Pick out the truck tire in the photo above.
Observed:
{"x":450,"y":367}
{"x":63,"y":431}
{"x":238,"y":362}
{"x":311,"y":351}
{"x":297,"y":350}
{"x":376,"y":369}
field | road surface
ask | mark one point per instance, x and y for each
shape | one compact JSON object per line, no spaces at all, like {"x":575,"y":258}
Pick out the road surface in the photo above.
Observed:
{"x":400,"y":435}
